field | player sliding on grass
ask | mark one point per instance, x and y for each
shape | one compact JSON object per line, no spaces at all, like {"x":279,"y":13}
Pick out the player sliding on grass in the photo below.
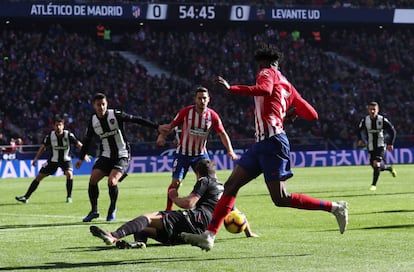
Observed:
{"x":273,"y":96}
{"x":166,"y":226}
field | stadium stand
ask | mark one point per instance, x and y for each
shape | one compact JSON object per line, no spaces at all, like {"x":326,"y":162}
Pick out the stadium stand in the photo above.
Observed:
{"x":56,"y":68}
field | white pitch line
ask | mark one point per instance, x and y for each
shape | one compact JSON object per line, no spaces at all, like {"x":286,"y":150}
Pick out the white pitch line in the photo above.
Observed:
{"x":100,"y":220}
{"x":40,"y":215}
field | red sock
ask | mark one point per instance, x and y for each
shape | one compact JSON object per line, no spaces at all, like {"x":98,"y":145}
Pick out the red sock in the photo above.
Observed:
{"x":223,"y":207}
{"x":170,"y":204}
{"x":305,"y":202}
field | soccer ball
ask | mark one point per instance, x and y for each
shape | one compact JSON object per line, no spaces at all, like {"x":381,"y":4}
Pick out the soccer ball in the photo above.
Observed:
{"x":235,"y":222}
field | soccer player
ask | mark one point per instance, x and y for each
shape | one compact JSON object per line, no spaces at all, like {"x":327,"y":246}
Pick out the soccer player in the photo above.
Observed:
{"x":58,"y":141}
{"x":196,"y":122}
{"x":273,"y":96}
{"x":373,"y":130}
{"x":113,"y":161}
{"x":166,"y":226}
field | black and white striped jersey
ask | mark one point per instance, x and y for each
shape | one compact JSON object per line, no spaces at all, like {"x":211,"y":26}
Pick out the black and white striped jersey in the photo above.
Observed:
{"x":377,"y":133}
{"x":110,"y":130}
{"x":60,"y":145}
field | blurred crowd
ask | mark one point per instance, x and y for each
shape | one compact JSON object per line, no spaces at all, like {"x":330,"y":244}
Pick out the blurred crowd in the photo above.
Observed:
{"x":53,"y":71}
{"x":339,"y":74}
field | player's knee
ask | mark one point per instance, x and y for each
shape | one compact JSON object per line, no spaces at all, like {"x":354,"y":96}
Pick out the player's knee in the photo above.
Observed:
{"x":280,"y":201}
{"x":112,"y":181}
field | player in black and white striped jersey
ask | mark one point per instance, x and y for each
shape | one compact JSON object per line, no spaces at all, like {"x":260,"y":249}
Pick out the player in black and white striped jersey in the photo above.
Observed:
{"x":59,"y":142}
{"x":378,"y":134}
{"x":114,"y":155}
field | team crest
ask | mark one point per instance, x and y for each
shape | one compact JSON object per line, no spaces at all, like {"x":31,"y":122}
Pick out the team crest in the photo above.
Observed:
{"x":112,"y":121}
{"x":136,"y":11}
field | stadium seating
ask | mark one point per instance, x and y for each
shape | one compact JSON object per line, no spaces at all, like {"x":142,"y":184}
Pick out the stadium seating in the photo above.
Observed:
{"x":54,"y":69}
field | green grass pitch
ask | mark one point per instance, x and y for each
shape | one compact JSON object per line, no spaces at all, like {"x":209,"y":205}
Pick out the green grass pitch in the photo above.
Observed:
{"x":47,"y":234}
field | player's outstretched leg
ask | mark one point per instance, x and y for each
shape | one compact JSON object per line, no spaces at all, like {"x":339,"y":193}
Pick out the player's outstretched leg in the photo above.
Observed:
{"x":205,"y":240}
{"x":122,"y":244}
{"x":393,"y":171}
{"x":106,"y":236}
{"x":341,"y":214}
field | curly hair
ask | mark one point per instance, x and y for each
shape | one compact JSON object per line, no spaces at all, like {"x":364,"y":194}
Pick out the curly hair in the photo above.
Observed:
{"x":268,"y":52}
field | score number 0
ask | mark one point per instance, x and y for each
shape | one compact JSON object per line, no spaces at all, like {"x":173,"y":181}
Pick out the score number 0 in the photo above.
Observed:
{"x":157,"y":11}
{"x":240,"y":13}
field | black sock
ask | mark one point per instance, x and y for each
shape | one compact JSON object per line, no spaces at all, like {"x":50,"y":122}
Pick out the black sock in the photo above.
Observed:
{"x":69,"y":186}
{"x":113,"y":194}
{"x":32,"y":188}
{"x":385,"y":167}
{"x":376,"y":176}
{"x":133,"y":226}
{"x":141,"y":236}
{"x":93,"y":192}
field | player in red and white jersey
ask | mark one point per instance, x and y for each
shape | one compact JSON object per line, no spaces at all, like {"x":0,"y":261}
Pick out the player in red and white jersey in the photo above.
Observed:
{"x":196,"y":122}
{"x":273,"y":95}
{"x":195,"y":128}
{"x":274,"y":98}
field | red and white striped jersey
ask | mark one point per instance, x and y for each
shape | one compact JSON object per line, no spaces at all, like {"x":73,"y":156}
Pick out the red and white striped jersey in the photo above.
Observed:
{"x":273,"y":95}
{"x":195,"y":129}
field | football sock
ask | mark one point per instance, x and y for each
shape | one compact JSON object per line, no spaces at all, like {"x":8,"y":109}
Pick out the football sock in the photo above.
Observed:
{"x":141,"y":236}
{"x":33,"y":186}
{"x":133,"y":226}
{"x":375,"y":176}
{"x":306,"y":202}
{"x":93,"y":192}
{"x":223,"y":207}
{"x":69,"y":186}
{"x":113,"y":194}
{"x":385,"y":167}
{"x":170,"y":204}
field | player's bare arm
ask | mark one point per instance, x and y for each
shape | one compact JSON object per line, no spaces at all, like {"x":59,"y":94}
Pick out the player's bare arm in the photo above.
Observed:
{"x":187,"y":202}
{"x":225,"y":139}
{"x":42,"y":149}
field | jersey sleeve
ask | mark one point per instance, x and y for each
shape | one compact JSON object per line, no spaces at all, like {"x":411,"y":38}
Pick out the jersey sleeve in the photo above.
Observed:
{"x":361,"y":130}
{"x":391,"y":131}
{"x":303,"y":108}
{"x":179,"y":117}
{"x":200,"y":187}
{"x":217,"y":123}
{"x":72,"y":138}
{"x":46,"y":140}
{"x":87,"y":141}
{"x":135,"y":119}
{"x":264,"y":85}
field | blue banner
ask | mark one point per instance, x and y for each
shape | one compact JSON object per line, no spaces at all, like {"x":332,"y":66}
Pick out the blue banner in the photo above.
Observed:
{"x":145,"y":164}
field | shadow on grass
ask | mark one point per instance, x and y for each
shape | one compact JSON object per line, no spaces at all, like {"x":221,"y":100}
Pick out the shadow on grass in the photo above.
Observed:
{"x":67,"y":265}
{"x":23,"y":226}
{"x":385,"y":212}
{"x":405,"y":226}
{"x":377,"y":194}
